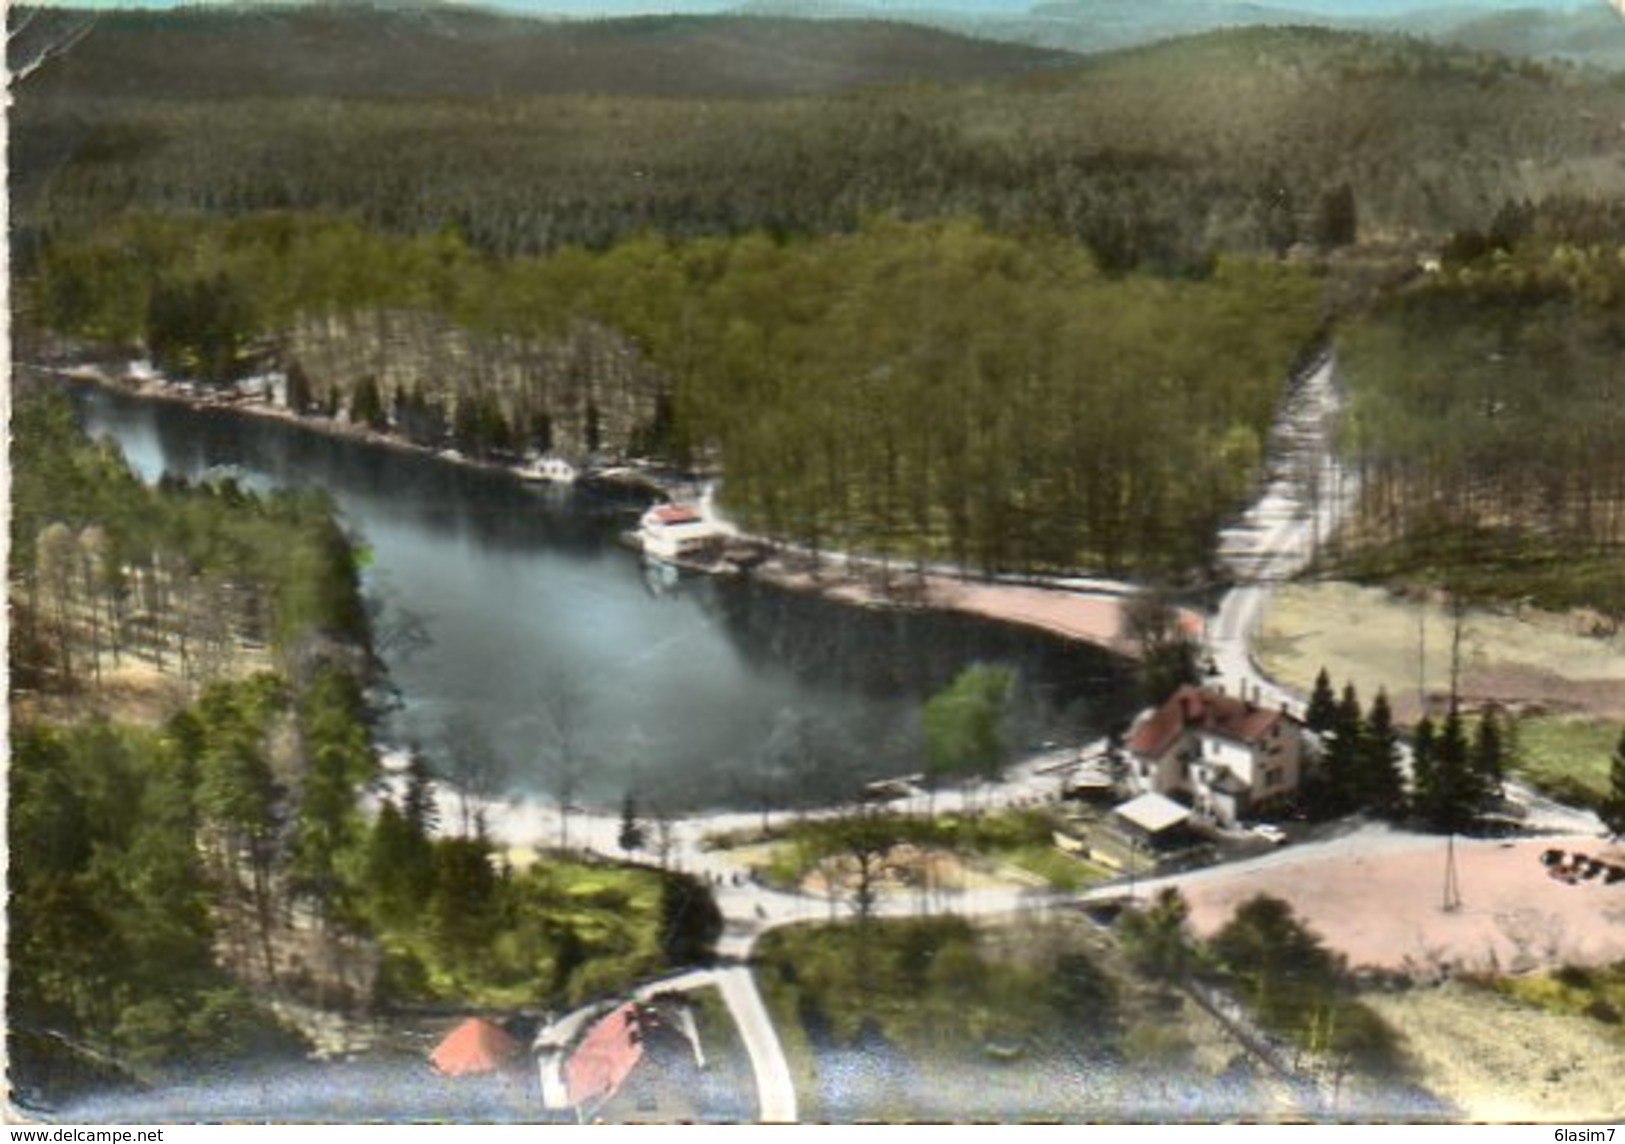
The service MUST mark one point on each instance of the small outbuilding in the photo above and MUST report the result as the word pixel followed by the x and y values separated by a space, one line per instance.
pixel 1151 815
pixel 476 1048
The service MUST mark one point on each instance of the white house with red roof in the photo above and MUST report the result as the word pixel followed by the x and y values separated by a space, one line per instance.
pixel 1227 755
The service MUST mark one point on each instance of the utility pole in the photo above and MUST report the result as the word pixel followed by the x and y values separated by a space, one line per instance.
pixel 1422 658
pixel 1452 883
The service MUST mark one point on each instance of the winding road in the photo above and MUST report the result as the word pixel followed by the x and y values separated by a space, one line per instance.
pixel 1276 539
pixel 1279 536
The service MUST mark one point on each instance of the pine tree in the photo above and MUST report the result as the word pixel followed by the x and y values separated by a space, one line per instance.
pixel 632 835
pixel 1337 219
pixel 367 404
pixel 418 806
pixel 1381 781
pixel 1489 755
pixel 393 896
pixel 1456 792
pixel 1613 807
pixel 1339 788
pixel 1424 772
pixel 298 391
pixel 1321 715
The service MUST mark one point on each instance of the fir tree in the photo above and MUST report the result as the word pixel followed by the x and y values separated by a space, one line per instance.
pixel 1456 791
pixel 418 807
pixel 1489 755
pixel 1613 807
pixel 1423 770
pixel 1349 725
pixel 1321 715
pixel 632 835
pixel 1382 780
pixel 1338 789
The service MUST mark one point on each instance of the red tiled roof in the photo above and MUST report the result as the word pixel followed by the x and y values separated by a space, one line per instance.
pixel 1193 706
pixel 606 1056
pixel 676 514
pixel 475 1046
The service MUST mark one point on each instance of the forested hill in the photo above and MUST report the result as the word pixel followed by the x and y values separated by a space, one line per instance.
pixel 1239 140
pixel 1585 32
pixel 356 50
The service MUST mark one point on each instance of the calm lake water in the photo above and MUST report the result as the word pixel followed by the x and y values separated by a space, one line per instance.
pixel 703 693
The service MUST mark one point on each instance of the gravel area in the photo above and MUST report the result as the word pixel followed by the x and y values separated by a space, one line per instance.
pixel 1377 897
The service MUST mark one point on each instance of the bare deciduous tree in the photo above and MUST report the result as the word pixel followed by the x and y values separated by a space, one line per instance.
pixel 563 710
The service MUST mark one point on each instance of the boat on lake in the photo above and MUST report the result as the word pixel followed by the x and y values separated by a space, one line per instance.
pixel 554 470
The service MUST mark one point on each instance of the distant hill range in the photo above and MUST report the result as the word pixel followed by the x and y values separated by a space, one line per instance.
pixel 1587 31
pixel 766 48
pixel 1240 139
pixel 327 50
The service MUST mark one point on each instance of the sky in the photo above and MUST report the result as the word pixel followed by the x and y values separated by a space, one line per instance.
pixel 1345 8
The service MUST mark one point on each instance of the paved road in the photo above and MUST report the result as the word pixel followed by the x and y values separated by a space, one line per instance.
pixel 775 1093
pixel 1275 540
pixel 1278 537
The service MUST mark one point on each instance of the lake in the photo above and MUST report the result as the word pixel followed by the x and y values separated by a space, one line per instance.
pixel 543 627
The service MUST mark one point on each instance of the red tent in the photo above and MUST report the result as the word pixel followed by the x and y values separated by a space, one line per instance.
pixel 606 1056
pixel 476 1046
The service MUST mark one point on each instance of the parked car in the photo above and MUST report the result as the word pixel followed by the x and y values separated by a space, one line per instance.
pixel 1270 833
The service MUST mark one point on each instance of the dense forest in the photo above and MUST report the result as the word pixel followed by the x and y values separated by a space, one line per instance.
pixel 1252 140
pixel 106 570
pixel 1056 271
pixel 187 879
pixel 1488 414
pixel 145 843
pixel 802 366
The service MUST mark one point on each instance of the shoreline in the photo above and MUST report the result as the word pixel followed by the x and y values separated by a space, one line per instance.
pixel 1082 609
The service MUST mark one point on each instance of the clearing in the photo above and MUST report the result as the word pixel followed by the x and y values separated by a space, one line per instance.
pixel 1498 1060
pixel 1525 659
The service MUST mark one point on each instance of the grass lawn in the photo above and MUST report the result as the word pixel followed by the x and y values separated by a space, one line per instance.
pixel 1375 638
pixel 1584 992
pixel 559 932
pixel 887 1019
pixel 1060 870
pixel 1023 839
pixel 1043 1017
pixel 1567 757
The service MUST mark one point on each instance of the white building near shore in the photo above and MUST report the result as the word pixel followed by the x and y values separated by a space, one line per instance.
pixel 1228 756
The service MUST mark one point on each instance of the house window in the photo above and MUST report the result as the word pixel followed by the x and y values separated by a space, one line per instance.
pixel 1273 776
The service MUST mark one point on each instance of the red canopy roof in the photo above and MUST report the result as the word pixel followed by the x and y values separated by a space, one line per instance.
pixel 606 1056
pixel 476 1046
pixel 677 514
